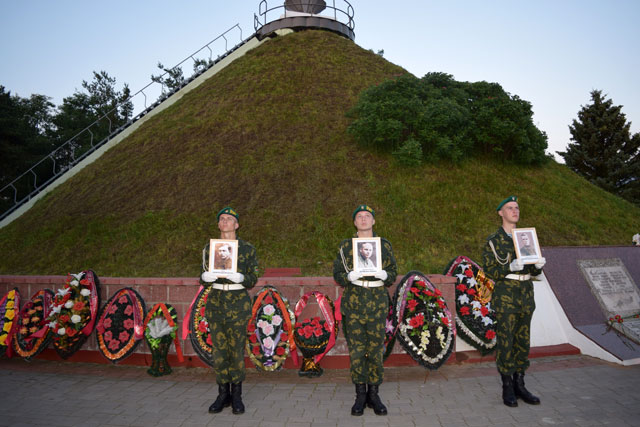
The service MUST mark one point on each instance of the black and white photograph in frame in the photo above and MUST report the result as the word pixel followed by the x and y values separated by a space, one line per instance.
pixel 223 257
pixel 526 244
pixel 367 255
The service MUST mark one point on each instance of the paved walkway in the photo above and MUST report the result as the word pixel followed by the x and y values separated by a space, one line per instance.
pixel 575 390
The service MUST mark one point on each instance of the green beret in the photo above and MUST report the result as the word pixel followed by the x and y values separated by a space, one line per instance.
pixel 363 208
pixel 228 211
pixel 507 200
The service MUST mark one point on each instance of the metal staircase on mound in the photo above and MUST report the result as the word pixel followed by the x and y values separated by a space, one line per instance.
pixel 294 15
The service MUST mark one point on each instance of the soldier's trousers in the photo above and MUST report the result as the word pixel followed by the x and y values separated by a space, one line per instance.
pixel 512 347
pixel 228 313
pixel 364 314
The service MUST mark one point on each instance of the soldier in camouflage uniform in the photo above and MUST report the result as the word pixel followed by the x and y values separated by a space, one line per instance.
pixel 513 302
pixel 228 312
pixel 364 306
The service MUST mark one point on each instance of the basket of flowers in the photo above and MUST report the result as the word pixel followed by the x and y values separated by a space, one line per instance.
pixel 315 336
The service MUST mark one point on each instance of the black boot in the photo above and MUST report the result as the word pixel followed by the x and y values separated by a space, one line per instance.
pixel 373 401
pixel 521 391
pixel 222 401
pixel 508 395
pixel 361 399
pixel 237 407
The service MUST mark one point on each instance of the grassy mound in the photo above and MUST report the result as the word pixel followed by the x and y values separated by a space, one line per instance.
pixel 267 135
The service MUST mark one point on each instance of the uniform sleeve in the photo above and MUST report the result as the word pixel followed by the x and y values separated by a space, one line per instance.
pixel 205 262
pixel 250 270
pixel 389 263
pixel 339 272
pixel 490 264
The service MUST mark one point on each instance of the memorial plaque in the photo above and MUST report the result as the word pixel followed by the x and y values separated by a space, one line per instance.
pixel 612 285
pixel 615 290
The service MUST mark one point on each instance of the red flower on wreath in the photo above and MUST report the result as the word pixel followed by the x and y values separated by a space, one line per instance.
pixel 445 321
pixel 417 321
pixel 253 338
pixel 471 291
pixel 208 340
pixel 64 318
pixel 468 272
pixel 317 332
pixel 484 310
pixel 438 292
pixel 84 282
pixel 78 306
pixel 124 336
pixel 71 332
pixel 128 324
pixel 268 299
pixel 202 326
pixel 256 350
pixel 461 287
pixel 129 310
pixel 112 309
pixel 108 336
pixel 114 344
pixel 123 299
pixel 327 327
pixel 412 304
pixel 464 310
pixel 308 330
pixel 300 331
pixel 490 335
pixel 106 322
pixel 280 351
pixel 440 303
pixel 202 311
pixel 416 291
pixel 251 328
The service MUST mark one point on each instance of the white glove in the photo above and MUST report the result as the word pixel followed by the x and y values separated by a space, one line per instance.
pixel 209 277
pixel 541 262
pixel 353 276
pixel 516 265
pixel 382 275
pixel 236 277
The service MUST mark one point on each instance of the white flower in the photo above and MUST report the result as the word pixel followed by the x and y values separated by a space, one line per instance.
pixel 75 318
pixel 269 309
pixel 159 327
pixel 267 329
pixel 78 276
pixel 52 324
pixel 460 277
pixel 56 309
pixel 68 304
pixel 268 342
pixel 62 292
pixel 85 292
pixel 276 320
pixel 74 283
pixel 477 313
pixel 463 299
pixel 424 339
pixel 476 305
pixel 262 323
pixel 62 331
pixel 472 282
pixel 487 321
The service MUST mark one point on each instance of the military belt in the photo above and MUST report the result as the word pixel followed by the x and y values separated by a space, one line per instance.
pixel 521 277
pixel 368 284
pixel 227 286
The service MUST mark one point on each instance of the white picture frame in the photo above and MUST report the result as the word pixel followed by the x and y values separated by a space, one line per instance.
pixel 223 257
pixel 525 241
pixel 367 255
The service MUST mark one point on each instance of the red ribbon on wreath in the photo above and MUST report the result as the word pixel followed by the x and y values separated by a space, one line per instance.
pixel 165 311
pixel 187 316
pixel 94 303
pixel 287 320
pixel 330 317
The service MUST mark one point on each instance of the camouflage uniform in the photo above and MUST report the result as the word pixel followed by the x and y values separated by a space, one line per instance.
pixel 364 314
pixel 513 302
pixel 228 313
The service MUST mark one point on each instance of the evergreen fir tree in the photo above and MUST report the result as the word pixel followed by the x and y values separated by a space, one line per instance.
pixel 603 149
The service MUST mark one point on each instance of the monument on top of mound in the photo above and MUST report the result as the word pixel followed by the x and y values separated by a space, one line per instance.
pixel 299 15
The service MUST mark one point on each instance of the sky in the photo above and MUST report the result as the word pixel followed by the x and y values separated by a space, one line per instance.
pixel 552 53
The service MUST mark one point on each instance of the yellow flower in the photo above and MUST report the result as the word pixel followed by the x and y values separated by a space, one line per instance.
pixel 10 314
pixel 7 326
pixel 3 338
pixel 10 304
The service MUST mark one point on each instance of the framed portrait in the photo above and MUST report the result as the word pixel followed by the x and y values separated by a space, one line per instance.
pixel 367 255
pixel 223 257
pixel 526 244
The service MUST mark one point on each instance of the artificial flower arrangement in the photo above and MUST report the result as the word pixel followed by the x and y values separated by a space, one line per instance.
pixel 74 312
pixel 120 326
pixel 617 323
pixel 269 332
pixel 9 307
pixel 161 326
pixel 314 336
pixel 423 321
pixel 33 334
pixel 196 327
pixel 476 319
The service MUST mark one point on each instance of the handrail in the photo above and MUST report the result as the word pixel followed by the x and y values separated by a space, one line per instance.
pixel 345 15
pixel 73 144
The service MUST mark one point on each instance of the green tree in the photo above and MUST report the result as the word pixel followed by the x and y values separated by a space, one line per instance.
pixel 86 118
pixel 448 119
pixel 603 149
